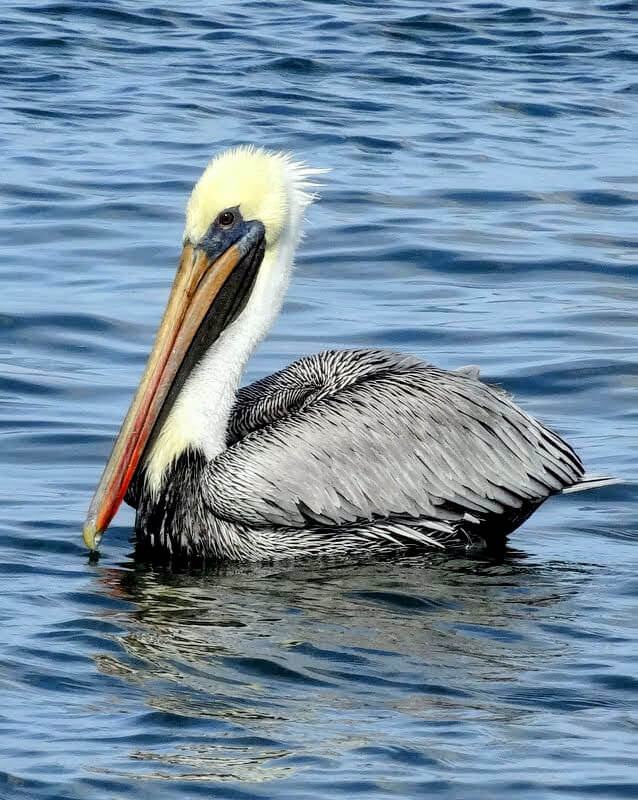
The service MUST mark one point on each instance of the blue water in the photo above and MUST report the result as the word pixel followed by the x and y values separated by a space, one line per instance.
pixel 482 208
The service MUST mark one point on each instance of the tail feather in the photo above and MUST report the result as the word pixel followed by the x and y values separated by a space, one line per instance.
pixel 589 481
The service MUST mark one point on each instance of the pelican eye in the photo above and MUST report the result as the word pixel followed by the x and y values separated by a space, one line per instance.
pixel 226 219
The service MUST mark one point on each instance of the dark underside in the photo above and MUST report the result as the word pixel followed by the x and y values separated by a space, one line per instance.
pixel 177 527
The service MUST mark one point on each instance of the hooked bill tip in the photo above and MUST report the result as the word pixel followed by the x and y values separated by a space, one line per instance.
pixel 91 536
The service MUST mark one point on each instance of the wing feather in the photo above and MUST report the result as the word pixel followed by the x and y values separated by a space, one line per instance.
pixel 356 436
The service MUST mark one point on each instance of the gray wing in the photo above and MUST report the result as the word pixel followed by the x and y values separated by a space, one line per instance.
pixel 276 396
pixel 372 435
pixel 270 399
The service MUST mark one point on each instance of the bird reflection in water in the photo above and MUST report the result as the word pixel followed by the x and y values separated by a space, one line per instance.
pixel 256 672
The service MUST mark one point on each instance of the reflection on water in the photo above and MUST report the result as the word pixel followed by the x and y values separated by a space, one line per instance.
pixel 440 642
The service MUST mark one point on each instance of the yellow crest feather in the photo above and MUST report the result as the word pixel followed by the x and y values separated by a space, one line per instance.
pixel 261 183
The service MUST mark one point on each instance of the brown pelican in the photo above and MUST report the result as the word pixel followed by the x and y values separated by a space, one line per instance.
pixel 341 452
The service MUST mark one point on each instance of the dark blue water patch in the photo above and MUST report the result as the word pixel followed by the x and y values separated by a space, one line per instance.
pixel 30 569
pixel 401 755
pixel 602 198
pixel 24 388
pixel 54 547
pixel 22 788
pixel 424 29
pixel 620 789
pixel 629 588
pixel 298 66
pixel 549 51
pixel 516 14
pixel 582 373
pixel 555 699
pixel 82 623
pixel 571 632
pixel 489 632
pixel 37 192
pixel 623 55
pixel 527 109
pixel 99 12
pixel 370 682
pixel 92 600
pixel 66 321
pixel 510 269
pixel 375 145
pixel 328 655
pixel 270 670
pixel 38 81
pixel 31 653
pixel 493 197
pixel 48 682
pixel 399 601
pixel 616 683
pixel 165 719
pixel 37 43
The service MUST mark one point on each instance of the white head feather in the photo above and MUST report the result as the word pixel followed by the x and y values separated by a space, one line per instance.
pixel 270 187
pixel 276 190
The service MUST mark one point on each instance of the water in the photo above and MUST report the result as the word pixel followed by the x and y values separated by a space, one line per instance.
pixel 482 208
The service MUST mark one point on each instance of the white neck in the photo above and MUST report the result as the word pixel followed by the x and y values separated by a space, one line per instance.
pixel 199 418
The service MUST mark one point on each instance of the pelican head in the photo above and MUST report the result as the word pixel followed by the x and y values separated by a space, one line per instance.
pixel 243 223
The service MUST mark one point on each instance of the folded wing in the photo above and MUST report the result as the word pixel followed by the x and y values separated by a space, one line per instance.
pixel 359 436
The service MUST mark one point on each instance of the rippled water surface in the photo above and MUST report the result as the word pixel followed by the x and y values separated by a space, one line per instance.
pixel 482 208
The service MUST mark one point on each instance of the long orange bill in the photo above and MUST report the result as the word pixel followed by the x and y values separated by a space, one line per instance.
pixel 210 289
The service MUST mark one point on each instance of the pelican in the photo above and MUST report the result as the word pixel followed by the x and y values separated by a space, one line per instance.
pixel 342 452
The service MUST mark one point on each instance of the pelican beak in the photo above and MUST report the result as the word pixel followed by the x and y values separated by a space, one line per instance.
pixel 211 288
